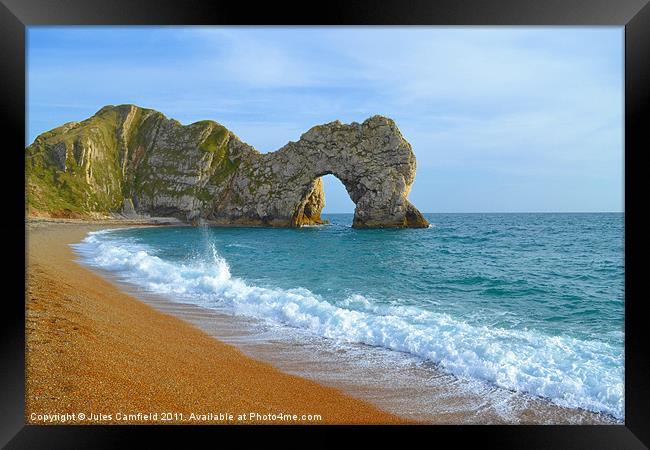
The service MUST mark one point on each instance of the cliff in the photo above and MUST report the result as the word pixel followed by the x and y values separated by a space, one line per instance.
pixel 130 159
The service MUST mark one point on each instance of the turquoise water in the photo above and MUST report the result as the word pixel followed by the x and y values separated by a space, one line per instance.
pixel 527 302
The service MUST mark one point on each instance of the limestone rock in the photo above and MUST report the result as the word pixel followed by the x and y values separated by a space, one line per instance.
pixel 136 160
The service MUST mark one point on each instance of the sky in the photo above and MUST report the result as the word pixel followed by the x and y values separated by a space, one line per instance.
pixel 501 119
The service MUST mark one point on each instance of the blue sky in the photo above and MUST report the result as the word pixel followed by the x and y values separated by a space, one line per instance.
pixel 500 118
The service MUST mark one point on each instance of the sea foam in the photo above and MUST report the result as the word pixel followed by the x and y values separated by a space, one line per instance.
pixel 568 371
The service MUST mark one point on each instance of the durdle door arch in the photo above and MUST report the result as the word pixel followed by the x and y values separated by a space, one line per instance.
pixel 137 161
pixel 372 160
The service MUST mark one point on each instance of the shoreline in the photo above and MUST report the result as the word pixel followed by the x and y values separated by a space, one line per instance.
pixel 94 349
pixel 406 392
pixel 407 387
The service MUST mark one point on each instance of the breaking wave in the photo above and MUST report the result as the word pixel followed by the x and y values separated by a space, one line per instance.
pixel 568 371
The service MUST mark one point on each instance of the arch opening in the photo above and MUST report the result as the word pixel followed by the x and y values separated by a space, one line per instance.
pixel 313 202
pixel 337 197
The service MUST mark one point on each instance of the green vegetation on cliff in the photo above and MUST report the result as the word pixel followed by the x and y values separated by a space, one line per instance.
pixel 123 152
pixel 60 167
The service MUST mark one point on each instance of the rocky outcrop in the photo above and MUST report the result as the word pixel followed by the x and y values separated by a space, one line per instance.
pixel 136 160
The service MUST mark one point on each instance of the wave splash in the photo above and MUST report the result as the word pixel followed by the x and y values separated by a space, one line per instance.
pixel 568 371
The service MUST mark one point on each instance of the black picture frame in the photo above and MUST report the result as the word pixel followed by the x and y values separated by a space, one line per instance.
pixel 16 15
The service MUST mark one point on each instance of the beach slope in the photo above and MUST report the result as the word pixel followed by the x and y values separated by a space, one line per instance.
pixel 95 350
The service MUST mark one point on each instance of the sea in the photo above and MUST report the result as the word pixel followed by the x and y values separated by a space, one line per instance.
pixel 530 305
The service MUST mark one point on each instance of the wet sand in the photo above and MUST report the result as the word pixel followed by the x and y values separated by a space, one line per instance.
pixel 93 349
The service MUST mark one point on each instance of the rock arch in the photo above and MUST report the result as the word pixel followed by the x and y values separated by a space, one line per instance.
pixel 135 160
pixel 372 159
